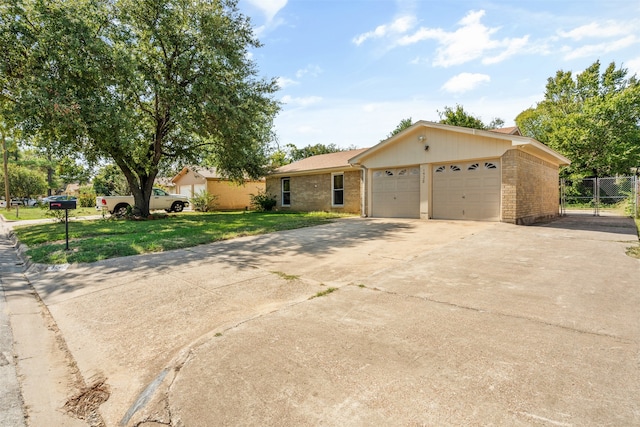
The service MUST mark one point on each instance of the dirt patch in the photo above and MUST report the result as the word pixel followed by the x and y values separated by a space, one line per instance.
pixel 85 404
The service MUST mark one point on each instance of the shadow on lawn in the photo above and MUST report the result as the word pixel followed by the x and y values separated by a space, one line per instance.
pixel 317 241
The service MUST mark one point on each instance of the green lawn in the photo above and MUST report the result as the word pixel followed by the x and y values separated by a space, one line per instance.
pixel 94 240
pixel 26 213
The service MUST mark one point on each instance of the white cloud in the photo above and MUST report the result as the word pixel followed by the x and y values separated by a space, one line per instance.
pixel 600 48
pixel 311 70
pixel 419 60
pixel 472 40
pixel 465 82
pixel 269 8
pixel 633 66
pixel 511 47
pixel 399 26
pixel 301 102
pixel 284 82
pixel 596 30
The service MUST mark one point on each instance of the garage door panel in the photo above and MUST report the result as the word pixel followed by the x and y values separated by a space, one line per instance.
pixel 396 193
pixel 468 190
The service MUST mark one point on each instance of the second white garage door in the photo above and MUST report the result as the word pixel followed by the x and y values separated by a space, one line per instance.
pixel 467 190
pixel 396 193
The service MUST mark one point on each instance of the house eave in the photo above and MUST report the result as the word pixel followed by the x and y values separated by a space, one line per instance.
pixel 314 171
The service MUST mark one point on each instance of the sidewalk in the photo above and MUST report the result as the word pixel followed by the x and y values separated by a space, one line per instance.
pixel 11 271
pixel 35 364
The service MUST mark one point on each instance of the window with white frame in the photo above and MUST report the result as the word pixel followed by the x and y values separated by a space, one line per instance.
pixel 286 191
pixel 337 189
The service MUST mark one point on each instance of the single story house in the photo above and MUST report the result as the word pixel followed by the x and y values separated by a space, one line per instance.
pixel 231 195
pixel 430 171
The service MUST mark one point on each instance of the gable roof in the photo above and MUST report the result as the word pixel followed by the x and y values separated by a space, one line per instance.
pixel 514 130
pixel 206 173
pixel 527 144
pixel 321 162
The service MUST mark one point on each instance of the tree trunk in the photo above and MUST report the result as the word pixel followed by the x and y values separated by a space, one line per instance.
pixel 142 193
pixel 5 160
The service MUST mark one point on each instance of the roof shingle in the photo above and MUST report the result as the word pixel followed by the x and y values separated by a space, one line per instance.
pixel 321 161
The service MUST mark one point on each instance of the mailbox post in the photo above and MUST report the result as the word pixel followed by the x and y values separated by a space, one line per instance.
pixel 66 205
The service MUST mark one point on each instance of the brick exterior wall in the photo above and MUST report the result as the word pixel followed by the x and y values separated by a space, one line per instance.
pixel 313 192
pixel 530 191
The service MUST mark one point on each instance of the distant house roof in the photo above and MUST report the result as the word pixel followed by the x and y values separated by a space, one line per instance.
pixel 321 162
pixel 514 130
pixel 72 188
pixel 165 182
pixel 207 173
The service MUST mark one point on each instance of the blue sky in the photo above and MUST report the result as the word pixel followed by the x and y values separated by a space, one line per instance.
pixel 350 70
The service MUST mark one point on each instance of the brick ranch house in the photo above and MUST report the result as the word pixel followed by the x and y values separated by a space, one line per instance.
pixel 430 171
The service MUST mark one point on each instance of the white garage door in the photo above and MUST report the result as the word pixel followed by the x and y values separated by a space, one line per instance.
pixel 198 188
pixel 191 190
pixel 467 190
pixel 396 193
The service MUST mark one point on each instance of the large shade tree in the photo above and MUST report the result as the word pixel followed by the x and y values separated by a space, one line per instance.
pixel 593 118
pixel 143 83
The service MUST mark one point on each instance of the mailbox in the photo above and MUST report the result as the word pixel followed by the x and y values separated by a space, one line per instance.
pixel 62 204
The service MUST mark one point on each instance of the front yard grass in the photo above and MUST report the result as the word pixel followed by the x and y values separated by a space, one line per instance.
pixel 95 240
pixel 35 212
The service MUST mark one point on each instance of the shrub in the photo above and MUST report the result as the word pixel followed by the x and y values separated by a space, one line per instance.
pixel 263 201
pixel 87 198
pixel 204 201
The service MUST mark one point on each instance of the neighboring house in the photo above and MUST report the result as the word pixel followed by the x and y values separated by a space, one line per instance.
pixel 192 180
pixel 432 171
pixel 72 189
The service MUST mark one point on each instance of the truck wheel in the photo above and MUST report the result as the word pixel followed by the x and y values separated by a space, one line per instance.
pixel 120 210
pixel 177 207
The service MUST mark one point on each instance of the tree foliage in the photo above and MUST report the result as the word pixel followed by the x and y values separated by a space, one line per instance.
pixel 24 182
pixel 459 117
pixel 404 124
pixel 592 118
pixel 110 181
pixel 142 83
pixel 295 153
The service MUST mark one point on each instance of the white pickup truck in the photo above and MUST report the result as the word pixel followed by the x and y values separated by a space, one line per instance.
pixel 160 199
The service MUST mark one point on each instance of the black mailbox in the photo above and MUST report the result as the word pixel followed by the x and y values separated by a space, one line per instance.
pixel 62 204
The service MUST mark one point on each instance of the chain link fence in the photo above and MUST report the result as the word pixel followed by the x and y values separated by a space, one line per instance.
pixel 611 193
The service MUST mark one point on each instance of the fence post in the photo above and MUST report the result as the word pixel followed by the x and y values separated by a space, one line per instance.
pixel 596 196
pixel 637 198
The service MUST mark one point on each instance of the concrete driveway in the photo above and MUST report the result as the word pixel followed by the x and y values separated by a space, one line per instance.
pixel 431 323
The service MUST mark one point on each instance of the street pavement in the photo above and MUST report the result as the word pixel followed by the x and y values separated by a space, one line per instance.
pixel 358 322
